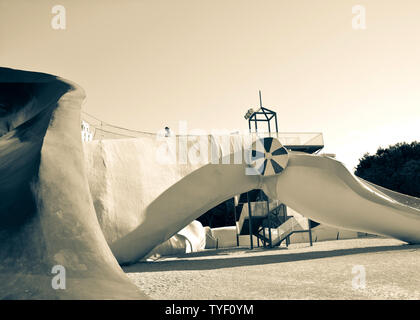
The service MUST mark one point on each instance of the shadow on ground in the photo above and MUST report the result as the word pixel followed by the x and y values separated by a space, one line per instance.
pixel 219 260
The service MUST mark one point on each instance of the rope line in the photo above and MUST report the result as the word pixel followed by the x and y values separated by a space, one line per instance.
pixel 102 123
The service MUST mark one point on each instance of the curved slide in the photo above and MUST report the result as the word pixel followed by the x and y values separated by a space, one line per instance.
pixel 180 204
pixel 322 189
pixel 318 187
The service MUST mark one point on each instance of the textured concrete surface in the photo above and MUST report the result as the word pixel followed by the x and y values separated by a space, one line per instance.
pixel 61 227
pixel 324 271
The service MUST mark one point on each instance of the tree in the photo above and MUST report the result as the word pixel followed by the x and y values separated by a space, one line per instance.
pixel 396 168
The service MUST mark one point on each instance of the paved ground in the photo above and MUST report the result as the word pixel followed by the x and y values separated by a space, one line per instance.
pixel 323 271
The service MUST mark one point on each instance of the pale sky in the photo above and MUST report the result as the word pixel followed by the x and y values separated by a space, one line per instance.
pixel 149 64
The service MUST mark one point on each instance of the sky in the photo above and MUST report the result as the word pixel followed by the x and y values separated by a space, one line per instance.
pixel 147 64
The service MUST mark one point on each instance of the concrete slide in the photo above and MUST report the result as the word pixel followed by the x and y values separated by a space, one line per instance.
pixel 181 203
pixel 322 189
pixel 191 238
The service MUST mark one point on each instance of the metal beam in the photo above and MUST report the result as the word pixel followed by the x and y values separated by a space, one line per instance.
pixel 250 221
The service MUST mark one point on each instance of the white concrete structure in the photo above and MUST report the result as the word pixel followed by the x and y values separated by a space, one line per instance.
pixel 139 211
pixel 91 206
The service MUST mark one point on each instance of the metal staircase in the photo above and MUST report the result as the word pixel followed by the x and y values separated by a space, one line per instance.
pixel 270 226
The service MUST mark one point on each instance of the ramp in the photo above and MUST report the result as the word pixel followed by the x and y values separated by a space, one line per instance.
pixel 322 189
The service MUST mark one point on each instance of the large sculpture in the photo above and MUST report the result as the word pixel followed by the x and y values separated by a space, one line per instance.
pixel 88 208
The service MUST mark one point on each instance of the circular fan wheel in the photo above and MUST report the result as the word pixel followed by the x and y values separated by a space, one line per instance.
pixel 269 156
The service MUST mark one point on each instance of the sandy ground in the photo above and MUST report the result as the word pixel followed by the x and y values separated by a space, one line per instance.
pixel 323 271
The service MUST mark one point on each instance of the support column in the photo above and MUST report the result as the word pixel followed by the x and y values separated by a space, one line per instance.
pixel 236 225
pixel 250 221
pixel 269 224
pixel 310 232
